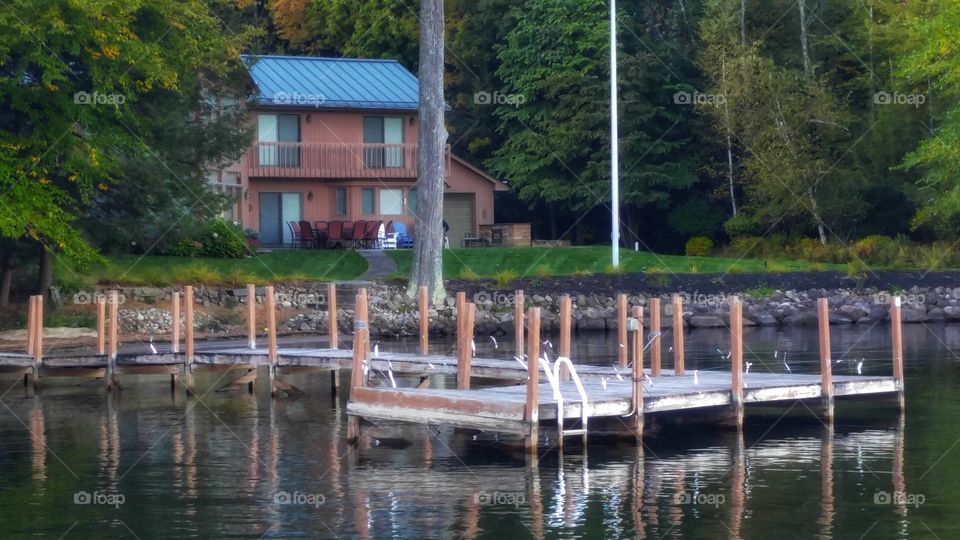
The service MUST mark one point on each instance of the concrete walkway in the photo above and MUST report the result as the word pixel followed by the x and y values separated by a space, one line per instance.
pixel 379 265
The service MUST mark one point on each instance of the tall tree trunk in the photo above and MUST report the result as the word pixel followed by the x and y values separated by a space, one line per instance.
pixel 804 46
pixel 6 280
pixel 726 114
pixel 743 22
pixel 45 273
pixel 815 210
pixel 428 248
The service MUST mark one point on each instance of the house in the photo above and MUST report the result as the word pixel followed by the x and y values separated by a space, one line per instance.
pixel 336 139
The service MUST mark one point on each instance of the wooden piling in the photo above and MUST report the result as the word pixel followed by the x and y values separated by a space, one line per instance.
pixel 566 331
pixel 111 376
pixel 31 324
pixel 622 352
pixel 270 306
pixel 363 314
pixel 678 352
pixel 896 335
pixel 518 320
pixel 736 358
pixel 38 341
pixel 637 378
pixel 361 338
pixel 188 336
pixel 332 331
pixel 251 316
pixel 423 299
pixel 465 348
pixel 101 325
pixel 531 413
pixel 655 337
pixel 826 363
pixel 459 308
pixel 175 319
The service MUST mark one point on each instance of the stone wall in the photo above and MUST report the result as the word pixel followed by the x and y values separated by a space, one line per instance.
pixel 304 309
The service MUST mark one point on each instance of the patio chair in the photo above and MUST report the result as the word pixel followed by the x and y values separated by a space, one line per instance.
pixel 370 239
pixel 403 239
pixel 296 233
pixel 321 230
pixel 387 240
pixel 352 233
pixel 306 232
pixel 335 233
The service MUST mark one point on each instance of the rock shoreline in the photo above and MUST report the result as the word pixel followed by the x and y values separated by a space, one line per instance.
pixel 303 308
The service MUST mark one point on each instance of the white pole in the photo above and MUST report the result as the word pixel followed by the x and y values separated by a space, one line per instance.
pixel 614 142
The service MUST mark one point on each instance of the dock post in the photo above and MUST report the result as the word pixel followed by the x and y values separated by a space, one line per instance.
pixel 361 339
pixel 31 323
pixel 518 319
pixel 38 341
pixel 332 332
pixel 459 309
pixel 896 335
pixel 638 374
pixel 111 376
pixel 188 335
pixel 655 337
pixel 423 298
pixel 736 358
pixel 363 314
pixel 251 316
pixel 566 330
pixel 465 348
pixel 622 344
pixel 531 412
pixel 269 304
pixel 175 320
pixel 826 363
pixel 678 353
pixel 101 325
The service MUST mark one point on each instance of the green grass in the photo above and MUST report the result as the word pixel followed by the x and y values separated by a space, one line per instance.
pixel 267 268
pixel 545 261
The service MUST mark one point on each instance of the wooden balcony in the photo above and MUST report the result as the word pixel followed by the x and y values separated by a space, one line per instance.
pixel 333 160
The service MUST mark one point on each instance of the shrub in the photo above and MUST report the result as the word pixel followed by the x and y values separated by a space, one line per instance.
pixel 698 246
pixel 742 225
pixel 504 278
pixel 222 240
pixel 876 249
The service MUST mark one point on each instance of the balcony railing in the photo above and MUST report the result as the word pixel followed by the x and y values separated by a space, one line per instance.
pixel 333 160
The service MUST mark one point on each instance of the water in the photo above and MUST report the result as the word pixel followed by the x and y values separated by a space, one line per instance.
pixel 158 465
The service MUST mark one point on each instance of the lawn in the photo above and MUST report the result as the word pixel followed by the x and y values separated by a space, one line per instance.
pixel 274 267
pixel 545 261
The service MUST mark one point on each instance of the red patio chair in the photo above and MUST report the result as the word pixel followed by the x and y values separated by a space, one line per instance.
pixel 370 236
pixel 306 232
pixel 321 230
pixel 296 233
pixel 335 233
pixel 355 233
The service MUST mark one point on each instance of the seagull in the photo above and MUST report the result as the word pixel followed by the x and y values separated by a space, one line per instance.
pixel 617 373
pixel 376 349
pixel 431 365
pixel 696 376
pixel 548 343
pixel 494 340
pixel 748 368
pixel 670 349
pixel 860 367
pixel 775 353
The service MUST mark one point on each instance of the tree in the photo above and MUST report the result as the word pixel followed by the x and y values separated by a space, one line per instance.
pixel 428 249
pixel 73 77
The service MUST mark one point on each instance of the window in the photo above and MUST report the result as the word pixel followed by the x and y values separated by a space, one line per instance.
pixel 391 202
pixel 383 142
pixel 340 200
pixel 366 201
pixel 278 135
pixel 412 202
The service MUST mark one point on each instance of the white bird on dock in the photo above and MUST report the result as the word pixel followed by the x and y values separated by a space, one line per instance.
pixel 748 368
pixel 431 365
pixel 775 353
pixel 494 340
pixel 696 376
pixel 617 373
pixel 376 350
pixel 670 349
pixel 860 367
pixel 547 343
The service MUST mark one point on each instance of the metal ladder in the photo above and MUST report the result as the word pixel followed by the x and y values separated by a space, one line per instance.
pixel 554 377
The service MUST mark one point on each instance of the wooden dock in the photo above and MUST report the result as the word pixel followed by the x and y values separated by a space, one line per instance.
pixel 533 389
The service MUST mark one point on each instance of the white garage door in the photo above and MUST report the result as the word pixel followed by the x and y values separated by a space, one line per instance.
pixel 458 211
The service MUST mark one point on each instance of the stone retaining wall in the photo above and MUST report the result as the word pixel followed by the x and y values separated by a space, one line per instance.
pixel 392 314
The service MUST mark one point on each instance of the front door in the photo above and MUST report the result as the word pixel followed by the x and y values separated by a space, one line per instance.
pixel 276 211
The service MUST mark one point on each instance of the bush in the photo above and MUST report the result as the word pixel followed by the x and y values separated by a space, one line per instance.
pixel 212 238
pixel 504 278
pixel 698 246
pixel 742 225
pixel 876 249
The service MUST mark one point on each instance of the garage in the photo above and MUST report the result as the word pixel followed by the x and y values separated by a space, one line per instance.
pixel 459 213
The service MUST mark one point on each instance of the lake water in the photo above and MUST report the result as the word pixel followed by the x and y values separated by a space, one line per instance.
pixel 75 463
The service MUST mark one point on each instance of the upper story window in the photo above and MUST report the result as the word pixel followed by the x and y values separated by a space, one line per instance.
pixel 383 142
pixel 278 135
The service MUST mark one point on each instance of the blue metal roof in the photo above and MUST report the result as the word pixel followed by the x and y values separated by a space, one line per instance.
pixel 305 81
